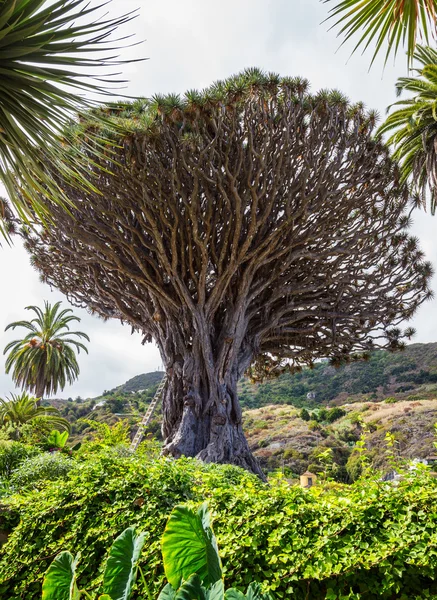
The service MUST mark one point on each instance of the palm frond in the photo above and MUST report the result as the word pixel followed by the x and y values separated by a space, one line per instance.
pixel 51 53
pixel 394 23
pixel 412 128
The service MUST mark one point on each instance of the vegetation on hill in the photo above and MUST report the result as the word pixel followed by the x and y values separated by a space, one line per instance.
pixel 392 392
pixel 399 374
pixel 282 439
pixel 139 383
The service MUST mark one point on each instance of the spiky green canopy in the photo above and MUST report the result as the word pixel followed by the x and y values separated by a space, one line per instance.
pixel 52 55
pixel 150 116
pixel 412 127
pixel 44 360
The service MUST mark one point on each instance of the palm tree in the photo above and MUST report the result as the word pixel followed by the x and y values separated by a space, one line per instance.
pixel 390 23
pixel 21 409
pixel 44 360
pixel 51 52
pixel 413 127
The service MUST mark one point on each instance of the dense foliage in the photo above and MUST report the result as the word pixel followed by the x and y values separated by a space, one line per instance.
pixel 385 374
pixel 362 541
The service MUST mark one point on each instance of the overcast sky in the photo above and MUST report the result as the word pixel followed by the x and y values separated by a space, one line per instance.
pixel 191 44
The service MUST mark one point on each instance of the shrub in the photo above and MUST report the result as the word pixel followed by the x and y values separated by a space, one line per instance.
pixel 314 426
pixel 368 540
pixel 37 470
pixel 304 414
pixel 12 454
pixel 391 400
pixel 334 414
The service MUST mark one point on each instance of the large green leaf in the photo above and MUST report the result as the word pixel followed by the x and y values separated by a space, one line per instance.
pixel 121 567
pixel 191 589
pixel 60 579
pixel 167 593
pixel 189 546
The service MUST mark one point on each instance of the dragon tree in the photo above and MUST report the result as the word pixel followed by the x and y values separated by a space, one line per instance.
pixel 249 227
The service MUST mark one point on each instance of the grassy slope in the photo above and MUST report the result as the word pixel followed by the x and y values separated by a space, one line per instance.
pixel 280 438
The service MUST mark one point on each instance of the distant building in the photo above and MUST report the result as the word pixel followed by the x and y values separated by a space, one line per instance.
pixel 311 395
pixel 99 404
pixel 307 480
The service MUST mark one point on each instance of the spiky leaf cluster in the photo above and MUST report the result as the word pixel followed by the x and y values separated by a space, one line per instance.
pixel 412 127
pixel 20 409
pixel 45 360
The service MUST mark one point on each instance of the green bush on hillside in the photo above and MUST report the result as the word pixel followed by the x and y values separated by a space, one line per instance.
pixel 12 454
pixel 36 470
pixel 363 541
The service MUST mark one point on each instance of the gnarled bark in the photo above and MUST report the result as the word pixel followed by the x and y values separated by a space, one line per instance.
pixel 201 413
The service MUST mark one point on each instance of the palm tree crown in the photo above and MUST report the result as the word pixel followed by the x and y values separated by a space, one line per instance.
pixel 390 24
pixel 413 127
pixel 51 52
pixel 21 409
pixel 44 360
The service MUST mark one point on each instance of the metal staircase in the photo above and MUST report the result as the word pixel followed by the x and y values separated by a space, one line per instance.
pixel 148 415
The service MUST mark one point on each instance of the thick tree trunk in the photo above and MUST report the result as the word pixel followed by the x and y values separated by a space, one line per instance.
pixel 39 391
pixel 202 416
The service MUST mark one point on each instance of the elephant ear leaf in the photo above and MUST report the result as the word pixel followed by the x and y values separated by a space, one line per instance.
pixel 189 546
pixel 121 566
pixel 60 579
pixel 167 593
pixel 191 589
pixel 233 594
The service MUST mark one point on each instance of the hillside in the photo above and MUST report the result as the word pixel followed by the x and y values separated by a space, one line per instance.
pixel 281 439
pixel 401 374
pixel 390 392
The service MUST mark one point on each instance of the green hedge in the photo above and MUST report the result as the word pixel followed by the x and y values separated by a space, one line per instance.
pixel 369 540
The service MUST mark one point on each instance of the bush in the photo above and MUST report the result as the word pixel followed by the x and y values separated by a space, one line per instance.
pixel 391 400
pixel 36 470
pixel 12 454
pixel 304 414
pixel 368 540
pixel 334 414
